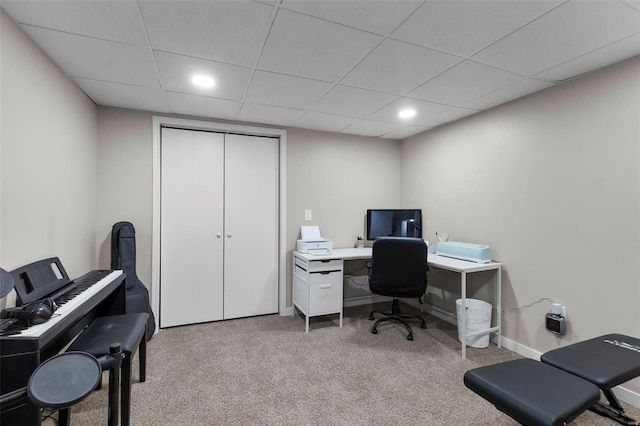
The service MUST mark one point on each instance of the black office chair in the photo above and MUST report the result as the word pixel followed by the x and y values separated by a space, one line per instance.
pixel 398 268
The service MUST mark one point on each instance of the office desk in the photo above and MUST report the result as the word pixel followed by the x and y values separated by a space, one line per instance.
pixel 464 267
pixel 318 280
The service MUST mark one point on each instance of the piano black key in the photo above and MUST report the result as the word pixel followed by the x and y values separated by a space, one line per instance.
pixel 11 326
pixel 80 285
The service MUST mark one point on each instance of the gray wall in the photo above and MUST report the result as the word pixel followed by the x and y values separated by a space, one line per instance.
pixel 552 183
pixel 338 177
pixel 48 161
pixel 125 184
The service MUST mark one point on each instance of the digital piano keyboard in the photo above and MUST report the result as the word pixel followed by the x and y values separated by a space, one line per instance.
pixel 94 294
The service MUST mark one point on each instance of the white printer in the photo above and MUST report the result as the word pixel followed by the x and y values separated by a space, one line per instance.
pixel 312 242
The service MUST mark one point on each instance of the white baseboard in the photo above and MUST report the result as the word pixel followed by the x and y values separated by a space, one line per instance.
pixel 437 312
pixel 520 349
pixel 364 300
pixel 287 312
pixel 628 396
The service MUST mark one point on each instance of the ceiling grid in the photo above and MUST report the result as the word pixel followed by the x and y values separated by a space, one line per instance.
pixel 340 66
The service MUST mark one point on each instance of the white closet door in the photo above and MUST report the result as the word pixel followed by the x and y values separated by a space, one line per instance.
pixel 191 258
pixel 251 226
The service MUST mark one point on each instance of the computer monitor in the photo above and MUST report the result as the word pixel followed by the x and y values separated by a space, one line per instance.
pixel 394 223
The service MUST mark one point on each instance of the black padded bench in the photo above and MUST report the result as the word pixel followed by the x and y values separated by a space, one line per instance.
pixel 130 332
pixel 567 381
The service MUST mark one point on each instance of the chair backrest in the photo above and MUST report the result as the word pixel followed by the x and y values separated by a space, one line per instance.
pixel 398 267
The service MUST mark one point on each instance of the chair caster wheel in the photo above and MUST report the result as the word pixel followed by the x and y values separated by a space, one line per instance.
pixel 409 337
pixel 423 326
pixel 370 317
pixel 374 331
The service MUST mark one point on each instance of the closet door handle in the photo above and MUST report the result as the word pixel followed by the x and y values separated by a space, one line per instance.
pixel 229 235
pixel 218 235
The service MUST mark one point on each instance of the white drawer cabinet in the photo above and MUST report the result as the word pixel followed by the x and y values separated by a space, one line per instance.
pixel 317 287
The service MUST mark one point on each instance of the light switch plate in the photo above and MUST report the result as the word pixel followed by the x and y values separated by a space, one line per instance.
pixel 307 215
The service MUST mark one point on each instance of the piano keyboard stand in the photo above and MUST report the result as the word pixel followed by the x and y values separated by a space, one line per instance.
pixel 24 347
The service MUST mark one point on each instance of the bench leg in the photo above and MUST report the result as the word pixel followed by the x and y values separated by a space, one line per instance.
pixel 142 355
pixel 114 383
pixel 64 417
pixel 613 410
pixel 125 392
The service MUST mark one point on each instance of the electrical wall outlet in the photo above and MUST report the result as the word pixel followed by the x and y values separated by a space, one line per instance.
pixel 307 215
pixel 556 320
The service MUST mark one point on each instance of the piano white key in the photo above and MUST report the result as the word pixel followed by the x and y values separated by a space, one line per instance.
pixel 39 329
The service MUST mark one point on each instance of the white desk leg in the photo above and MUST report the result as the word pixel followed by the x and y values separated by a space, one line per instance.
pixel 340 318
pixel 306 323
pixel 499 301
pixel 463 307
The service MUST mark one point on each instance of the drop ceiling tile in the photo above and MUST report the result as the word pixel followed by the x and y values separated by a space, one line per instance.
pixel 325 122
pixel 352 102
pixel 176 72
pixel 370 128
pixel 570 31
pixel 616 52
pixel 227 31
pixel 202 106
pixel 87 57
pixel 405 132
pixel 397 67
pixel 285 90
pixel 309 47
pixel 467 80
pixel 508 93
pixel 464 27
pixel 380 17
pixel 267 114
pixel 423 110
pixel 115 21
pixel 123 95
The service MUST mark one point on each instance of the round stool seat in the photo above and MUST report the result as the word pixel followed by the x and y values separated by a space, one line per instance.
pixel 64 380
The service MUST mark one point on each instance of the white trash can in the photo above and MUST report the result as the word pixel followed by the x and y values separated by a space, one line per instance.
pixel 478 318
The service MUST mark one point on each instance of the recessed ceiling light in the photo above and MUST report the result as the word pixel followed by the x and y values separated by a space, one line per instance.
pixel 203 81
pixel 407 113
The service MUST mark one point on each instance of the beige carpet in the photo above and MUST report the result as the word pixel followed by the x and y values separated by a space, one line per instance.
pixel 268 371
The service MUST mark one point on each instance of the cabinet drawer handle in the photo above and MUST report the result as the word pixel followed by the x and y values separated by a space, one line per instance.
pixel 325 286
